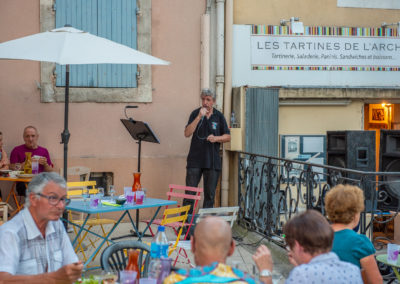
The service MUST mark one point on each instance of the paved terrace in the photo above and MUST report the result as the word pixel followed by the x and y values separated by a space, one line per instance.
pixel 246 244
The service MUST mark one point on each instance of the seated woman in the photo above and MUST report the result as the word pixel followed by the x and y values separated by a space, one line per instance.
pixel 343 205
pixel 4 162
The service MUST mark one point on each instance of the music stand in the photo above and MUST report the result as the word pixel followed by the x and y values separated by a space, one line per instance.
pixel 139 131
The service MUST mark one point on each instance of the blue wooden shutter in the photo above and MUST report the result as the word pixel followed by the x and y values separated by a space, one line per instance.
pixel 111 19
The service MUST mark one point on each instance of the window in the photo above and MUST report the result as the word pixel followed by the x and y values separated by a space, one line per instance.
pixel 116 20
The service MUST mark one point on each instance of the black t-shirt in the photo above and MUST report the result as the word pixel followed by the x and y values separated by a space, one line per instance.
pixel 204 154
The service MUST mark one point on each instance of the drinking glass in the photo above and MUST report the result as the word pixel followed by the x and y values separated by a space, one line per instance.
pixel 111 191
pixel 101 191
pixel 85 195
pixel 17 166
pixel 127 277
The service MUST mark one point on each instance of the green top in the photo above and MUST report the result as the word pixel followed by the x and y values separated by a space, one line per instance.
pixel 351 247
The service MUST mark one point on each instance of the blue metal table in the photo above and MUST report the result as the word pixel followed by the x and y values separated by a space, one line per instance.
pixel 83 207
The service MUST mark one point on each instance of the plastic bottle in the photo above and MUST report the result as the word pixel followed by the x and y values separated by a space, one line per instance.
pixel 133 263
pixel 158 250
pixel 233 120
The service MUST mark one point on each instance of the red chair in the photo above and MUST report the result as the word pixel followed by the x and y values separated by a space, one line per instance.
pixel 178 193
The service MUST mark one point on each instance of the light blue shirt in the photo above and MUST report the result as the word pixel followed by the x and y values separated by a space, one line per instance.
pixel 24 251
pixel 325 268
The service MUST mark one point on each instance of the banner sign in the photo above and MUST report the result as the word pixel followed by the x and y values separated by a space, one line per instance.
pixel 348 49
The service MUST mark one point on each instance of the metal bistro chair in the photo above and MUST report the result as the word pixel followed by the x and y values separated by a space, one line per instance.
pixel 115 257
pixel 176 215
pixel 178 193
pixel 4 209
pixel 229 214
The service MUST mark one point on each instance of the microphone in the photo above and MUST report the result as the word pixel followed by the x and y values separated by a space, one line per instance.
pixel 131 106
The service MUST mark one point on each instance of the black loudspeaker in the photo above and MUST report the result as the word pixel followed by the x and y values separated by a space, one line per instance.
pixel 356 150
pixel 389 154
pixel 352 149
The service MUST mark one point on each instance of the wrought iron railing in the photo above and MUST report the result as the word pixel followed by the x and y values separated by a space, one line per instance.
pixel 272 189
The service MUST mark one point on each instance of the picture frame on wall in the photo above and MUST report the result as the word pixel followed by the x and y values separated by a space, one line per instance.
pixel 378 114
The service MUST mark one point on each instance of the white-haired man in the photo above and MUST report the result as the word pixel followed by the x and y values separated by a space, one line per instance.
pixel 34 245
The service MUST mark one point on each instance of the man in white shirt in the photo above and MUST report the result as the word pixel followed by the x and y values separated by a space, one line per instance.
pixel 34 245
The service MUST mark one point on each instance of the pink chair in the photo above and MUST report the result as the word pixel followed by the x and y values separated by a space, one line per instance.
pixel 178 193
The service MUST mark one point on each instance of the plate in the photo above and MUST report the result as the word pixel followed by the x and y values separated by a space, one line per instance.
pixel 25 175
pixel 5 171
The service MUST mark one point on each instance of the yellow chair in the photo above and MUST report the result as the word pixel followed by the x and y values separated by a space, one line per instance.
pixel 172 215
pixel 76 190
pixel 4 209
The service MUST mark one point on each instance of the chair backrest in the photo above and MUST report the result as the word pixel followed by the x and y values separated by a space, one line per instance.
pixel 172 215
pixel 4 209
pixel 180 192
pixel 115 257
pixel 229 214
pixel 77 171
pixel 75 188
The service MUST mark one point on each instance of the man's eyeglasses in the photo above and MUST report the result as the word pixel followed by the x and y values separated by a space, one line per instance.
pixel 54 200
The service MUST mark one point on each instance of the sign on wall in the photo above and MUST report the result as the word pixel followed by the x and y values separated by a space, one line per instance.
pixel 365 49
pixel 322 57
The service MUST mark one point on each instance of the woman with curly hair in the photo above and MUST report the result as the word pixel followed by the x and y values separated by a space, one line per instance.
pixel 343 205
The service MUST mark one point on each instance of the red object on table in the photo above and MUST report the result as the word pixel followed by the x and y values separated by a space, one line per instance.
pixel 133 262
pixel 136 182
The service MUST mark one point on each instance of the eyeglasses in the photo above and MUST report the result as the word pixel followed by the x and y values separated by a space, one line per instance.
pixel 54 200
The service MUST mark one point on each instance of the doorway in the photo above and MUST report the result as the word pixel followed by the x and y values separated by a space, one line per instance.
pixel 379 116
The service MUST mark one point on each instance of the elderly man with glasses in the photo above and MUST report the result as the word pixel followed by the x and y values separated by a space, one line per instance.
pixel 34 245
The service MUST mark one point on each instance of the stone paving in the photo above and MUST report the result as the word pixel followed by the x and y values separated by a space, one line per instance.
pixel 246 244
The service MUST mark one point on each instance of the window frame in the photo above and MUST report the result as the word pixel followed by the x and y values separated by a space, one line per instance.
pixel 143 91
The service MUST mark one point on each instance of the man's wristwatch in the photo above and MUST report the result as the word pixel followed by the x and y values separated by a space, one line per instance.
pixel 265 273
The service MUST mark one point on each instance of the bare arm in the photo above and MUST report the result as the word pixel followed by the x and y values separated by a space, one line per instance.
pixel 4 163
pixel 192 127
pixel 221 139
pixel 66 274
pixel 263 259
pixel 371 270
pixel 189 129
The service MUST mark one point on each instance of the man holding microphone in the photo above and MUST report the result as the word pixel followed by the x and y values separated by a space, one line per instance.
pixel 208 129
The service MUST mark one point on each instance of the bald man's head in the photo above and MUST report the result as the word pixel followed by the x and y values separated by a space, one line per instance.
pixel 212 241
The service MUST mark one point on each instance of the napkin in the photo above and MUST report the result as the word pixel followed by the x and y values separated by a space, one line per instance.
pixel 110 203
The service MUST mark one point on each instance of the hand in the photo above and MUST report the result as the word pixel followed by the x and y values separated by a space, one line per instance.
pixel 203 111
pixel 263 259
pixel 43 161
pixel 70 272
pixel 211 138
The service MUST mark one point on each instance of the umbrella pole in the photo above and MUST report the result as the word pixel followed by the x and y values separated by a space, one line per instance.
pixel 65 135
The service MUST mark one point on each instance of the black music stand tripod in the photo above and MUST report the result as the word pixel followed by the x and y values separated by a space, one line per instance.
pixel 140 131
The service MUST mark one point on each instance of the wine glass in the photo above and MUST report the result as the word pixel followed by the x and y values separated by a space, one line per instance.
pixel 85 194
pixel 111 191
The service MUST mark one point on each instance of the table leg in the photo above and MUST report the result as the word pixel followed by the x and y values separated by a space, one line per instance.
pixel 396 272
pixel 106 238
pixel 12 192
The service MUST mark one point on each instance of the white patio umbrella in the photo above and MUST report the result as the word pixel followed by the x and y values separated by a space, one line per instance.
pixel 67 46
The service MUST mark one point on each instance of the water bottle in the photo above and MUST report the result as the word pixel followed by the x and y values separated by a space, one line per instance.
pixel 158 250
pixel 233 120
